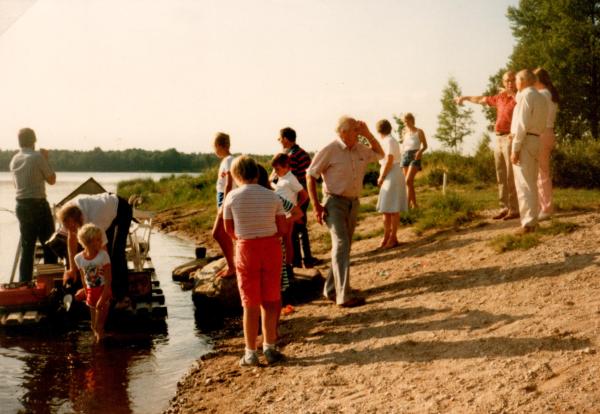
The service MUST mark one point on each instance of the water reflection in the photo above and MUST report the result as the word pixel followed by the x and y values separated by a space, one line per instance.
pixel 49 371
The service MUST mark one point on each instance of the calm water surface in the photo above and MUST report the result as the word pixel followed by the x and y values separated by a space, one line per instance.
pixel 45 372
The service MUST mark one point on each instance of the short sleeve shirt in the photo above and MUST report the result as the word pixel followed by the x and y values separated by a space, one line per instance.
pixel 288 187
pixel 390 147
pixel 224 168
pixel 342 168
pixel 253 209
pixel 504 104
pixel 30 171
pixel 93 269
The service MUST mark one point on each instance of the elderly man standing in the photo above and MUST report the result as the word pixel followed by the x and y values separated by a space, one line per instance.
pixel 342 164
pixel 528 122
pixel 504 103
pixel 31 171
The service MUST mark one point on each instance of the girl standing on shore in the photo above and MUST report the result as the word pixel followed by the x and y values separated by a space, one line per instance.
pixel 254 217
pixel 414 144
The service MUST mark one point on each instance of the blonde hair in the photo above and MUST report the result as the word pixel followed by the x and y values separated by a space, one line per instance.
pixel 88 233
pixel 222 140
pixel 244 168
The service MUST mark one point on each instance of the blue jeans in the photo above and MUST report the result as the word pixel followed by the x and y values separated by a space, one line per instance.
pixel 35 223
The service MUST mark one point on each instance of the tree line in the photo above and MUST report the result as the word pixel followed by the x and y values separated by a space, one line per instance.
pixel 133 159
pixel 563 37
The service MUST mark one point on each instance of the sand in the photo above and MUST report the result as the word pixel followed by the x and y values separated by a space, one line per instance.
pixel 450 326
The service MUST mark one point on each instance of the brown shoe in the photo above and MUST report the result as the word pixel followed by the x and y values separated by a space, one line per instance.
pixel 500 215
pixel 525 230
pixel 354 302
pixel 511 216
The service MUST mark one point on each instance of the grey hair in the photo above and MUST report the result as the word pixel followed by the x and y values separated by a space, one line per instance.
pixel 345 123
pixel 527 76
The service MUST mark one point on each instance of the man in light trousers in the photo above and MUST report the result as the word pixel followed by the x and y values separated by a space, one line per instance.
pixel 342 165
pixel 528 122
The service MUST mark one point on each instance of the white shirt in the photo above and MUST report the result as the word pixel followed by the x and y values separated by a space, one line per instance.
pixel 552 108
pixel 390 147
pixel 93 269
pixel 224 168
pixel 529 116
pixel 99 209
pixel 411 141
pixel 288 187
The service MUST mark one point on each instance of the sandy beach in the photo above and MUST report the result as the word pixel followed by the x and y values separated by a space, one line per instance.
pixel 450 325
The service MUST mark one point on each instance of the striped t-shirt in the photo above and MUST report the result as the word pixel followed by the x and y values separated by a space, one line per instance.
pixel 253 209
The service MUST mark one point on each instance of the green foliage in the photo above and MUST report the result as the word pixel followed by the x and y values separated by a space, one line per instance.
pixel 399 126
pixel 577 164
pixel 134 159
pixel 173 191
pixel 507 242
pixel 563 37
pixel 443 211
pixel 454 121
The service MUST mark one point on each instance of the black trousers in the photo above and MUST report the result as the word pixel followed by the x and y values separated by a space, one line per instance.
pixel 117 234
pixel 35 223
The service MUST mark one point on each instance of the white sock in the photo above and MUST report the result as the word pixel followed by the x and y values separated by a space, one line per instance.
pixel 268 346
pixel 249 353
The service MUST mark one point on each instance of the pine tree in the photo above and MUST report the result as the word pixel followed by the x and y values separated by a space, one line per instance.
pixel 454 121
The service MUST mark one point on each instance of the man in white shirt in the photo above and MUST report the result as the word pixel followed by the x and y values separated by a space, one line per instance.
pixel 528 122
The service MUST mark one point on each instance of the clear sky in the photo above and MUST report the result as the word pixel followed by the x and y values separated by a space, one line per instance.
pixel 158 74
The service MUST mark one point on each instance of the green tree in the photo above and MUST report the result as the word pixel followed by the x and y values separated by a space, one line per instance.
pixel 563 37
pixel 399 126
pixel 454 121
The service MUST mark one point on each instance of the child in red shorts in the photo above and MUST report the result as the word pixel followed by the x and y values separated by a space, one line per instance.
pixel 254 217
pixel 93 264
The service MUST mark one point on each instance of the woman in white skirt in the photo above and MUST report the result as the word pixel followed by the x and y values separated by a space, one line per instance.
pixel 392 193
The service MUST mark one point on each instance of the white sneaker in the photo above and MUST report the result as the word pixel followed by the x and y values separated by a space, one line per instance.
pixel 544 216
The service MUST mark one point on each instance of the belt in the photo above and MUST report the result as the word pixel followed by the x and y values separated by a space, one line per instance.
pixel 342 197
pixel 531 133
pixel 502 133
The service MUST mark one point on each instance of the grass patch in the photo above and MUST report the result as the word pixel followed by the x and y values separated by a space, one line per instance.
pixel 570 199
pixel 443 211
pixel 509 242
pixel 367 234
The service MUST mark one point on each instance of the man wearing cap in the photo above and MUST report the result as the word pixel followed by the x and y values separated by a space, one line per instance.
pixel 342 165
pixel 31 171
pixel 504 102
pixel 528 122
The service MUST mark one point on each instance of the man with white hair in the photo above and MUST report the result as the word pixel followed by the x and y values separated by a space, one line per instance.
pixel 342 164
pixel 528 122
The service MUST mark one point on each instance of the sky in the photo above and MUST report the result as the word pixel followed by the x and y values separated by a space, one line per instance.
pixel 159 74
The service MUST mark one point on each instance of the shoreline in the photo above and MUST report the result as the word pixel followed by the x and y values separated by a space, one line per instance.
pixel 449 326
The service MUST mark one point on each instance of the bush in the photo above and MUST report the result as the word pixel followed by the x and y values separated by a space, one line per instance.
pixel 577 164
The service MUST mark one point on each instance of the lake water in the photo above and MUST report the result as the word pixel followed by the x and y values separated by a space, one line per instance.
pixel 65 373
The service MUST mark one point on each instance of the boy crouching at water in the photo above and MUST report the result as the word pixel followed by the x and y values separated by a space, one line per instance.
pixel 254 217
pixel 93 264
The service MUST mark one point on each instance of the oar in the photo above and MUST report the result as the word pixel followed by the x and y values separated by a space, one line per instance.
pixel 17 254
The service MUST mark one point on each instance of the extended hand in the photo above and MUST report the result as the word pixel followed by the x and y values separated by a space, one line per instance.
pixel 69 275
pixel 459 100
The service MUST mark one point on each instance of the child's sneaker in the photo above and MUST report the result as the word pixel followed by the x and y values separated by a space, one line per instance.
pixel 273 356
pixel 251 361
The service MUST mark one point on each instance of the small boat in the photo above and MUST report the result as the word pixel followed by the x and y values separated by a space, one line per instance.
pixel 45 300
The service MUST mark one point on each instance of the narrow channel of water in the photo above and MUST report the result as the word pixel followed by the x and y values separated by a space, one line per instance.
pixel 52 372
